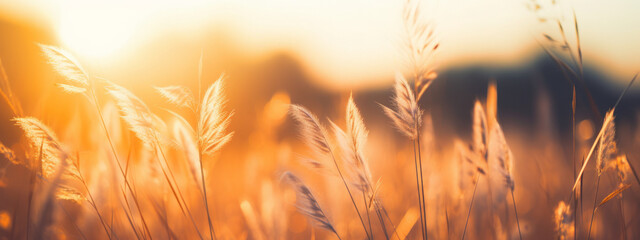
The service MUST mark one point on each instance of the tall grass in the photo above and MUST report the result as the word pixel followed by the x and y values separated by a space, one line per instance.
pixel 179 172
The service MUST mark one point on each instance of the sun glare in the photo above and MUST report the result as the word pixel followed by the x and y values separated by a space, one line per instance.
pixel 96 30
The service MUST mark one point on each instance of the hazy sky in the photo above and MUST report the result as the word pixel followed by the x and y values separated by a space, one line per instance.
pixel 346 41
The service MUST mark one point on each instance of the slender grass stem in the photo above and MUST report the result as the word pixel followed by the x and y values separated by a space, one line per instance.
pixel 424 201
pixel 593 213
pixel 624 222
pixel 355 206
pixel 515 209
pixel 573 154
pixel 473 196
pixel 92 202
pixel 366 208
pixel 422 218
pixel 212 231
pixel 175 189
pixel 96 103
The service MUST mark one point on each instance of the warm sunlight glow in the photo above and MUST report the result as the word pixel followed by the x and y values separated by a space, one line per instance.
pixel 94 30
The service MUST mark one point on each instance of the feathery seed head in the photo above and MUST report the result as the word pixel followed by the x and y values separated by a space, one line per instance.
pixel 213 120
pixel 405 114
pixel 500 155
pixel 65 64
pixel 178 95
pixel 607 147
pixel 307 203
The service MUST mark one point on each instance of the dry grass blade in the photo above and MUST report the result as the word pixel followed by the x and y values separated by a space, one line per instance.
pixel 615 193
pixel 352 143
pixel 307 203
pixel 405 114
pixel 357 171
pixel 179 95
pixel 65 64
pixel 213 121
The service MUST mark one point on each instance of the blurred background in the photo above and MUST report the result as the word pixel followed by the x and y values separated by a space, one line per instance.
pixel 315 53
pixel 326 47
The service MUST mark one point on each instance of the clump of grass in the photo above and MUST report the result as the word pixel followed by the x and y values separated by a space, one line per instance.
pixel 316 137
pixel 210 131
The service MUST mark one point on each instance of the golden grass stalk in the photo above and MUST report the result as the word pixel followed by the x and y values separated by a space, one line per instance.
pixel 184 138
pixel 213 120
pixel 38 134
pixel 500 156
pixel 212 124
pixel 54 161
pixel 618 191
pixel 480 131
pixel 315 136
pixel 607 151
pixel 476 155
pixel 136 114
pixel 420 44
pixel 607 147
pixel 145 124
pixel 211 133
pixel 407 117
pixel 501 161
pixel 78 81
pixel 307 203
pixel 607 120
pixel 352 142
pixel 405 113
pixel 7 93
pixel 65 64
